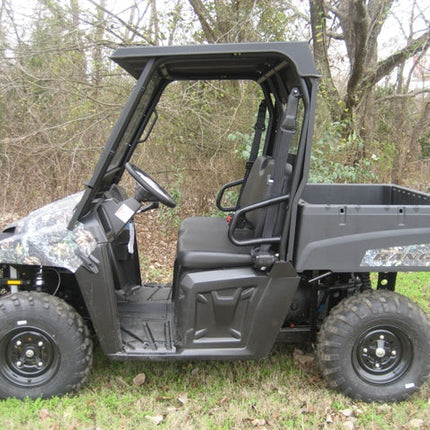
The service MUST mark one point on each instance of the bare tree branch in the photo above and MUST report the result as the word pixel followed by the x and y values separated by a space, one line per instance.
pixel 385 67
pixel 409 95
pixel 127 25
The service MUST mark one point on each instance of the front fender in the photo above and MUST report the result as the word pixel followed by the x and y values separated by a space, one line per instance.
pixel 42 238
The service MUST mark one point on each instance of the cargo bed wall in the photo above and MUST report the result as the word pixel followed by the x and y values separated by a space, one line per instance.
pixel 346 227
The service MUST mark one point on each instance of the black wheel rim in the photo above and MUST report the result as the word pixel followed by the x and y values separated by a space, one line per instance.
pixel 30 356
pixel 382 355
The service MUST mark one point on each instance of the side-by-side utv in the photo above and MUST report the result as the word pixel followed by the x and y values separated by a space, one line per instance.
pixel 290 263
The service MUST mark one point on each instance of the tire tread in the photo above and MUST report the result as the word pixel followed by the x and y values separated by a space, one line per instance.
pixel 351 312
pixel 66 314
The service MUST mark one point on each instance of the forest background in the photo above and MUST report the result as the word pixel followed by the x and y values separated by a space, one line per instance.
pixel 60 94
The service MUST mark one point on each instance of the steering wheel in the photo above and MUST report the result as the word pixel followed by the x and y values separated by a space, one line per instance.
pixel 150 185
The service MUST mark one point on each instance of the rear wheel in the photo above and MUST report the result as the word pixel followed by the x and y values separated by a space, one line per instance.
pixel 375 346
pixel 45 349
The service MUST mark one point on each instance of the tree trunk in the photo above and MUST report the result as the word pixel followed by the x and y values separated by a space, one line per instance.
pixel 358 23
pixel 320 48
pixel 98 48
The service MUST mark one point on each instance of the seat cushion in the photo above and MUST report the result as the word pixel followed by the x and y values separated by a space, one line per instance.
pixel 203 244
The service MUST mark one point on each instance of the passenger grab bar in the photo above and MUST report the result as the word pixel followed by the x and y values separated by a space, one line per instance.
pixel 221 195
pixel 255 206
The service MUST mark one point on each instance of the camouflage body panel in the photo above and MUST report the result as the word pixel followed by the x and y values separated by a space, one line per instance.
pixel 407 256
pixel 42 238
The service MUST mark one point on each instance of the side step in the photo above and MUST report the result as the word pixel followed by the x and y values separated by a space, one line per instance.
pixel 146 320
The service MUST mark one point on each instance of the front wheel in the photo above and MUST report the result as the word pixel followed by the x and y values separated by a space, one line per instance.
pixel 375 346
pixel 45 349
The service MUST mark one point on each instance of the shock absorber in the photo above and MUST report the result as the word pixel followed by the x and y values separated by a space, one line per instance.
pixel 39 280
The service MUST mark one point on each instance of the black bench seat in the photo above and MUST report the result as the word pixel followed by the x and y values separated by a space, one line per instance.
pixel 203 244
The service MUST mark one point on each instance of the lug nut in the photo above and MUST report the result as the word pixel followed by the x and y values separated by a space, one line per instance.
pixel 40 364
pixel 365 350
pixel 19 363
pixel 382 337
pixel 40 344
pixel 18 343
pixel 377 365
pixel 393 352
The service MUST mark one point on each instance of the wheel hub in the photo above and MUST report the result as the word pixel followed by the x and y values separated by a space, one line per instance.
pixel 380 352
pixel 30 356
pixel 29 353
pixel 382 355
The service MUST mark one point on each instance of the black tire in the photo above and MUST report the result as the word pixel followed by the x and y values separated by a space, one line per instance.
pixel 45 348
pixel 375 346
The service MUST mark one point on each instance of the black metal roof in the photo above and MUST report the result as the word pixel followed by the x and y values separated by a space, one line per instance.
pixel 219 61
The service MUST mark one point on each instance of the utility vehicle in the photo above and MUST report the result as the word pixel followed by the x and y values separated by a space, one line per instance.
pixel 290 263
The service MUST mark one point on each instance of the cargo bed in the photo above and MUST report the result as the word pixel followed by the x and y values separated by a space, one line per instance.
pixel 348 227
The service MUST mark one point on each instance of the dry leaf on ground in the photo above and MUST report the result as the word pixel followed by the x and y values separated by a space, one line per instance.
pixel 139 379
pixel 157 419
pixel 44 414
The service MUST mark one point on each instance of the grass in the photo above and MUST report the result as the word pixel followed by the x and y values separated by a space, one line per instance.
pixel 275 393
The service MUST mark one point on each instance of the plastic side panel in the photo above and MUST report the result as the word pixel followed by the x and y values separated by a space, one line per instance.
pixel 338 237
pixel 363 194
pixel 404 196
pixel 347 194
pixel 238 309
pixel 98 292
pixel 401 250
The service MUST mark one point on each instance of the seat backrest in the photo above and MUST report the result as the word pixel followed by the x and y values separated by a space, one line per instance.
pixel 256 186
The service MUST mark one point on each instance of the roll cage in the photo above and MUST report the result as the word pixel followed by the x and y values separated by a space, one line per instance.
pixel 285 67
